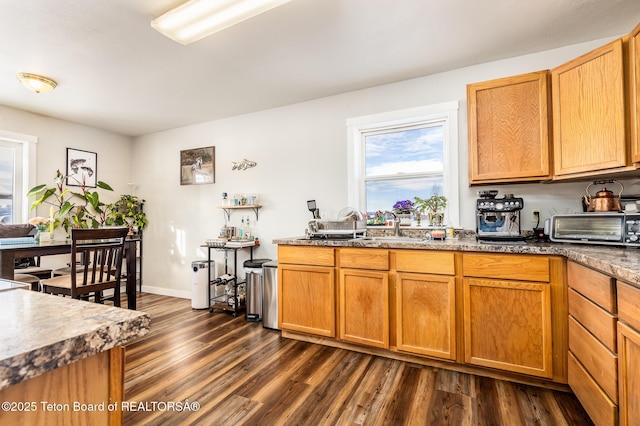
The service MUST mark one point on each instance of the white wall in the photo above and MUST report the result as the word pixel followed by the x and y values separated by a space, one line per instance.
pixel 54 137
pixel 301 154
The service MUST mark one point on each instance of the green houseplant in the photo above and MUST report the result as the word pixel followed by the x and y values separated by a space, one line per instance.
pixel 128 211
pixel 71 209
pixel 434 205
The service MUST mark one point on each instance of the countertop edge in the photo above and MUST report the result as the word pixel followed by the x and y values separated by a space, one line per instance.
pixel 623 263
pixel 37 360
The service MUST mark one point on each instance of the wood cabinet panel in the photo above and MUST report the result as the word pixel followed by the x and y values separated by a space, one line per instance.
pixel 601 363
pixel 629 304
pixel 599 322
pixel 368 258
pixel 504 266
pixel 364 307
pixel 589 117
pixel 594 285
pixel 508 121
pixel 93 380
pixel 629 370
pixel 307 299
pixel 596 403
pixel 426 314
pixel 507 325
pixel 304 255
pixel 425 261
pixel 634 92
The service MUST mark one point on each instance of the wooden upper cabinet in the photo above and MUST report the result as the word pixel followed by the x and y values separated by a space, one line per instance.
pixel 634 92
pixel 509 131
pixel 588 95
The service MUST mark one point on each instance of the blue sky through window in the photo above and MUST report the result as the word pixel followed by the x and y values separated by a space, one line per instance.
pixel 394 153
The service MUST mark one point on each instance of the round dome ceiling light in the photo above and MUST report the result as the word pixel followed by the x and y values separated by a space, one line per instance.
pixel 36 83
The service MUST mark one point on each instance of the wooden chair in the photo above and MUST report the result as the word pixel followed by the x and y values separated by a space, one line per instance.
pixel 31 266
pixel 32 280
pixel 102 250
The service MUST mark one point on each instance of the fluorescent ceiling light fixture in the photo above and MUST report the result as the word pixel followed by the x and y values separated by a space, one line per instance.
pixel 37 83
pixel 197 19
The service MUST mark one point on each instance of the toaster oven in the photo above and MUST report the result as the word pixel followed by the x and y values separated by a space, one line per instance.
pixel 619 229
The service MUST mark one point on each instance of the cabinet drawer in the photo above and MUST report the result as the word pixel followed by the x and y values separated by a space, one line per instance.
pixel 364 259
pixel 629 304
pixel 599 322
pixel 303 255
pixel 601 363
pixel 596 403
pixel 506 266
pixel 424 261
pixel 595 286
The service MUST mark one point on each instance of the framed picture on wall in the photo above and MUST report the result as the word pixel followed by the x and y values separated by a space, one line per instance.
pixel 197 166
pixel 81 168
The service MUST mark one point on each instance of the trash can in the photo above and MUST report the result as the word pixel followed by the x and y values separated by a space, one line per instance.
pixel 200 284
pixel 253 274
pixel 270 295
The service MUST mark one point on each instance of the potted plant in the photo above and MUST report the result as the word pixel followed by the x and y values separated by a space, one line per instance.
pixel 435 206
pixel 404 211
pixel 128 211
pixel 71 209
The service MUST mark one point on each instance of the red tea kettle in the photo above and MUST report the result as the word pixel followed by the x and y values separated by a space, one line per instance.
pixel 604 200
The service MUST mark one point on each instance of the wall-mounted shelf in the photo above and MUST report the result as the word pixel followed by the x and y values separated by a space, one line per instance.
pixel 227 209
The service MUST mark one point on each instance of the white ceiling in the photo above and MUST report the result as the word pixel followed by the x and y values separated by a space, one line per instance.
pixel 116 73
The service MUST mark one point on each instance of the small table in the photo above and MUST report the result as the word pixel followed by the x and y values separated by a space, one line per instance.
pixel 10 252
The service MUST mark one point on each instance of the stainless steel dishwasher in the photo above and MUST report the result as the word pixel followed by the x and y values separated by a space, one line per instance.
pixel 270 295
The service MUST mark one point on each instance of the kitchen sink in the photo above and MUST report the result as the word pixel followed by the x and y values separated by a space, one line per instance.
pixel 395 239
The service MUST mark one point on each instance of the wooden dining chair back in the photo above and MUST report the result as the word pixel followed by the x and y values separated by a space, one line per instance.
pixel 102 250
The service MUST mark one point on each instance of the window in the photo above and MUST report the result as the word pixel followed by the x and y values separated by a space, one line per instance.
pixel 403 154
pixel 16 177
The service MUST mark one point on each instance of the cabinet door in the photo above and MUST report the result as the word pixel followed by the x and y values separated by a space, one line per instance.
pixel 507 325
pixel 364 307
pixel 634 92
pixel 589 112
pixel 629 371
pixel 425 314
pixel 307 299
pixel 508 123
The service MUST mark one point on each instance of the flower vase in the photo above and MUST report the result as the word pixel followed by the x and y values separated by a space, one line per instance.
pixel 405 219
pixel 436 219
pixel 42 235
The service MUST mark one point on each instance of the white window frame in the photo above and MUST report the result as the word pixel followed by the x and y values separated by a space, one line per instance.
pixel 28 176
pixel 447 111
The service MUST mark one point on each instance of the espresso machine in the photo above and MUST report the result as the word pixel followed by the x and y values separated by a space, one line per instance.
pixel 498 218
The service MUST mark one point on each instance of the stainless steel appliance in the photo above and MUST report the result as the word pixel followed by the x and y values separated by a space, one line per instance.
pixel 255 285
pixel 270 295
pixel 498 218
pixel 620 229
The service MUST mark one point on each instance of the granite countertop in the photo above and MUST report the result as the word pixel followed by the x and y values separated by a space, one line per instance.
pixel 41 332
pixel 623 263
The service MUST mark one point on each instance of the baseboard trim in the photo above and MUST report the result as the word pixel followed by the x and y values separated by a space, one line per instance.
pixel 167 292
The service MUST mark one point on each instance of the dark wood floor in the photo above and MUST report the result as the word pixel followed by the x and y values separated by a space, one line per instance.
pixel 240 373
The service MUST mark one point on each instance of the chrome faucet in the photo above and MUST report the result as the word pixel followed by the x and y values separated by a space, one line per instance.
pixel 396 222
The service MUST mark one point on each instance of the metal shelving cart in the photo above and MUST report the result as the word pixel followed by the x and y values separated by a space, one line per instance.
pixel 222 301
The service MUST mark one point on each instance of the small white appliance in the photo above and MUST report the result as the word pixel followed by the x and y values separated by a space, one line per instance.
pixel 200 283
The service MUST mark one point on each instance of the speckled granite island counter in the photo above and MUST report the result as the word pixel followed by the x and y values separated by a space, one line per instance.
pixel 62 360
